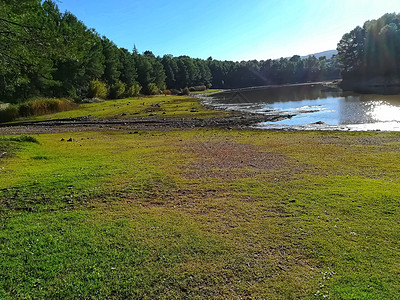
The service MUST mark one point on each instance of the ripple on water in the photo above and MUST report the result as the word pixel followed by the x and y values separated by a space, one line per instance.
pixel 312 108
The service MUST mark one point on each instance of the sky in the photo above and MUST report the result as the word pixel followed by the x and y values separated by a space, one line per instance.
pixel 227 29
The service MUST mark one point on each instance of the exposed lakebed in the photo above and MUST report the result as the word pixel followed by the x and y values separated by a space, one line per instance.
pixel 314 106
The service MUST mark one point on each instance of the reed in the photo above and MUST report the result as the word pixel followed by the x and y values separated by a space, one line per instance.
pixel 35 107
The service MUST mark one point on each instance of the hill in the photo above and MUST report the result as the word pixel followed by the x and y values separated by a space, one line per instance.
pixel 328 54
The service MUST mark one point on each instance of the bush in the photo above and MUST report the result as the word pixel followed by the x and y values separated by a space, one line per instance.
pixel 186 91
pixel 175 92
pixel 152 89
pixel 134 90
pixel 167 92
pixel 9 113
pixel 97 89
pixel 200 88
pixel 25 109
pixel 117 90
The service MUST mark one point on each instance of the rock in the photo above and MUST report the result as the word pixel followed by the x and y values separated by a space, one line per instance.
pixel 62 140
pixel 69 140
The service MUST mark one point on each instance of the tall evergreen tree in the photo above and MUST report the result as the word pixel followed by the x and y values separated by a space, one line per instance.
pixel 112 62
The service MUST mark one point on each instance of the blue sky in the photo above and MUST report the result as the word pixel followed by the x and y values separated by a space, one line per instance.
pixel 227 30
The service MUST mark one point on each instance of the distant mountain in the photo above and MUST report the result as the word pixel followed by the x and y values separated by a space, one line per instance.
pixel 328 54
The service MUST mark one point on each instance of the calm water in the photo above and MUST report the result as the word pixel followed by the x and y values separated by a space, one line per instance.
pixel 316 107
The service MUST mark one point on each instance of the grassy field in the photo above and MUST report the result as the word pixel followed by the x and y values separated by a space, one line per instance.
pixel 199 214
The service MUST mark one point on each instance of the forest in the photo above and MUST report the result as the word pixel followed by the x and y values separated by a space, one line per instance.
pixel 372 51
pixel 48 53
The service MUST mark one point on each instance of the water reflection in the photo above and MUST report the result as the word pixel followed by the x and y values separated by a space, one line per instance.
pixel 310 104
pixel 384 112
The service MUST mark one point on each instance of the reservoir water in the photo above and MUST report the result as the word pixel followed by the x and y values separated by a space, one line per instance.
pixel 315 106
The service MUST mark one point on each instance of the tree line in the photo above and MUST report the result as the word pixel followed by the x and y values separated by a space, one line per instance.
pixel 44 52
pixel 371 51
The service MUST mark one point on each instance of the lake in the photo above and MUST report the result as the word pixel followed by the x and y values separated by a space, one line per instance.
pixel 315 106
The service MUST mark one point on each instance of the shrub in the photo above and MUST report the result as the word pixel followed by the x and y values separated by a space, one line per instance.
pixel 152 89
pixel 200 88
pixel 134 90
pixel 97 89
pixel 175 92
pixel 25 109
pixel 167 92
pixel 186 91
pixel 9 113
pixel 117 90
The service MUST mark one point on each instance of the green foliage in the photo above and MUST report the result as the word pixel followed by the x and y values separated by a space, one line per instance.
pixel 128 68
pixel 47 53
pixel 117 90
pixel 371 51
pixel 134 90
pixel 26 64
pixel 112 62
pixel 81 60
pixel 97 89
pixel 151 89
pixel 9 113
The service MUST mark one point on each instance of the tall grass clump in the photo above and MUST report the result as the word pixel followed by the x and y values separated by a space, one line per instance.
pixel 8 113
pixel 24 138
pixel 44 106
pixel 198 88
pixel 35 107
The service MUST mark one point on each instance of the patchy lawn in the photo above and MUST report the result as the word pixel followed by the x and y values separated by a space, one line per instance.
pixel 200 214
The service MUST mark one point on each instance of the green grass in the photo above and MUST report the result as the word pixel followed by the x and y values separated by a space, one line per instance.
pixel 155 106
pixel 200 214
pixel 208 92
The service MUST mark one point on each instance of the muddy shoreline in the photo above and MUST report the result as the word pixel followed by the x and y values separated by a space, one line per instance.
pixel 235 120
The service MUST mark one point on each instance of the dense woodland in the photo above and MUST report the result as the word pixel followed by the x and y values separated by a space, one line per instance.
pixel 372 51
pixel 44 52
